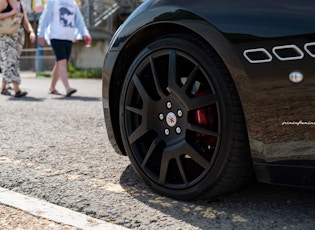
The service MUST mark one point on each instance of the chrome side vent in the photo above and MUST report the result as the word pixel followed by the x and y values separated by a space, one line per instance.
pixel 288 52
pixel 259 55
pixel 310 48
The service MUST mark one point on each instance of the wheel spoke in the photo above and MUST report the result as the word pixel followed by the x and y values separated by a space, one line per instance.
pixel 172 69
pixel 156 78
pixel 142 92
pixel 164 167
pixel 150 151
pixel 174 153
pixel 199 129
pixel 181 170
pixel 202 101
pixel 134 110
pixel 195 155
pixel 190 78
pixel 136 134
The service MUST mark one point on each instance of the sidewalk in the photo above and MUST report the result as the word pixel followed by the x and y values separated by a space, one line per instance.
pixel 12 218
pixel 28 74
pixel 18 211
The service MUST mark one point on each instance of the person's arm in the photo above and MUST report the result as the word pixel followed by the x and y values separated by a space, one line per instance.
pixel 80 24
pixel 27 26
pixel 7 14
pixel 44 21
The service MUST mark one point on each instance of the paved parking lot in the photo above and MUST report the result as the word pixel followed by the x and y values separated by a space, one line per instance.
pixel 56 149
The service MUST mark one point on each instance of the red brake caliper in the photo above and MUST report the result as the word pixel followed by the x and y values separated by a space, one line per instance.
pixel 206 117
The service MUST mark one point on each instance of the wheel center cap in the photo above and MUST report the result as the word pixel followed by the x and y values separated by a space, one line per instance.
pixel 171 119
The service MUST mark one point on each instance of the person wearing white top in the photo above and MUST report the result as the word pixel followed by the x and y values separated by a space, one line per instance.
pixel 61 22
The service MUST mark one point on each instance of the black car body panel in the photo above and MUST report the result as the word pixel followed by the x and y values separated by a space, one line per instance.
pixel 261 44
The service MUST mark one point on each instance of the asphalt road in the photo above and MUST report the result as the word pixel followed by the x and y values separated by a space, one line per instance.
pixel 56 149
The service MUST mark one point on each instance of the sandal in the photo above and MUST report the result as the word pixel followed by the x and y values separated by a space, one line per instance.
pixel 5 92
pixel 20 93
pixel 70 92
pixel 55 92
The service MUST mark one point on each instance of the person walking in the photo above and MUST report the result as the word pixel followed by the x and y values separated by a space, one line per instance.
pixel 61 21
pixel 11 46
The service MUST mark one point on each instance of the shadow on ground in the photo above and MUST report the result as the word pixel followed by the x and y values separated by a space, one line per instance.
pixel 79 98
pixel 254 206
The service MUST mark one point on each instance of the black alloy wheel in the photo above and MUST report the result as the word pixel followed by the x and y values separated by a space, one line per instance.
pixel 177 120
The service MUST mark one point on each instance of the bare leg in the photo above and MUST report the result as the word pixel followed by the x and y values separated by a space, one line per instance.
pixel 4 85
pixel 54 78
pixel 16 87
pixel 63 73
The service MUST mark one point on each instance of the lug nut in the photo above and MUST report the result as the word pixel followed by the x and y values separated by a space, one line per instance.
pixel 180 113
pixel 167 132
pixel 161 116
pixel 178 130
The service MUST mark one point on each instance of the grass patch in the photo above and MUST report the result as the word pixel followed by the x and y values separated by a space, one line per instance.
pixel 43 74
pixel 90 73
pixel 76 73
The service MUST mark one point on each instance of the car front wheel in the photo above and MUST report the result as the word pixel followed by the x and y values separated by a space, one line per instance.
pixel 181 120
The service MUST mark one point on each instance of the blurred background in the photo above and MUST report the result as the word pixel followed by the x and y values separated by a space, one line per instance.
pixel 102 17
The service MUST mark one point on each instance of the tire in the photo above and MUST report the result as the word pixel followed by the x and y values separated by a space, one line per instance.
pixel 181 120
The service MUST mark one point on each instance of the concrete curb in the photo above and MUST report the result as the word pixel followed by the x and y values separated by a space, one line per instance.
pixel 53 212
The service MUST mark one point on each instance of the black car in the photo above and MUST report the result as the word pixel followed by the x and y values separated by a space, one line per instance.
pixel 204 94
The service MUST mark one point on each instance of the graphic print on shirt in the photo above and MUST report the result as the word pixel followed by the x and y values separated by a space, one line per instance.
pixel 66 17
